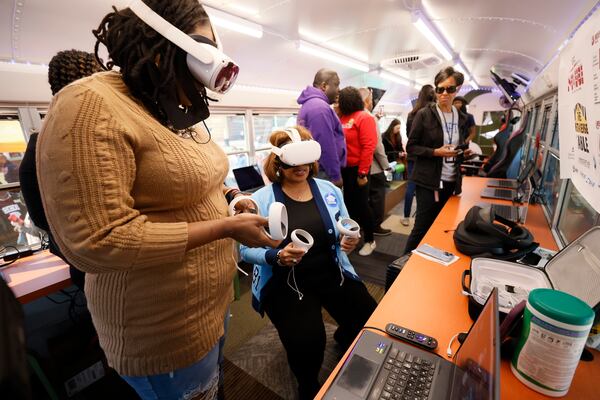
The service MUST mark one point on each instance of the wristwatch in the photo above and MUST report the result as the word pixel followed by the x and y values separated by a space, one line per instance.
pixel 362 176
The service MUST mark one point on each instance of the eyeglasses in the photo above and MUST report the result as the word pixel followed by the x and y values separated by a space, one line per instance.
pixel 448 89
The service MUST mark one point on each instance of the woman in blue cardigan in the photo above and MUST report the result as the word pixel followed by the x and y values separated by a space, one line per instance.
pixel 290 286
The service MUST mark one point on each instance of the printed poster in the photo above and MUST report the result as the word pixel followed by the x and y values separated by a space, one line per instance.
pixel 579 111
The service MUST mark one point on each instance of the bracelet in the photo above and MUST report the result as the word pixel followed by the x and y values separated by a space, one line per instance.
pixel 230 194
pixel 278 258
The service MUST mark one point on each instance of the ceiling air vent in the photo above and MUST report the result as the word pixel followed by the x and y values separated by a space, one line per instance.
pixel 412 62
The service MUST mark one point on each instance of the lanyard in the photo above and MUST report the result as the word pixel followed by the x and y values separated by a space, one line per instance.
pixel 449 131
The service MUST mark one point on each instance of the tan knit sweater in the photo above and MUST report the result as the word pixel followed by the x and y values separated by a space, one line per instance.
pixel 119 189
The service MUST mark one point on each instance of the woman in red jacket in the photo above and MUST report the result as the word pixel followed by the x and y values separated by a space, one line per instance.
pixel 360 130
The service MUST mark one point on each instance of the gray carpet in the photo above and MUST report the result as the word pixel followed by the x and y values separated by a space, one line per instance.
pixel 373 268
pixel 264 358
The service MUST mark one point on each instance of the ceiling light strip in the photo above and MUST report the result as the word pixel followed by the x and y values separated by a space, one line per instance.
pixel 424 25
pixel 234 23
pixel 329 55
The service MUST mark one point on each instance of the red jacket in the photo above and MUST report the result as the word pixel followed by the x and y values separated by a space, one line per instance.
pixel 360 130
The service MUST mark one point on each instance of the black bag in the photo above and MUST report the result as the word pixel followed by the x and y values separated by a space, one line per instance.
pixel 480 236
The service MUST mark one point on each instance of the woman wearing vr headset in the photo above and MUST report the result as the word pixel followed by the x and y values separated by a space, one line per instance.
pixel 436 134
pixel 134 196
pixel 291 286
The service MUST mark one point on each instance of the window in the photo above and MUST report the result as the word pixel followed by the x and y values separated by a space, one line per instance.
pixel 551 185
pixel 229 131
pixel 16 227
pixel 545 121
pixel 12 147
pixel 265 124
pixel 555 136
pixel 236 161
pixel 576 215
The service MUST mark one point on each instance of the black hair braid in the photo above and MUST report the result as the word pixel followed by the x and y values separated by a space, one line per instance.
pixel 68 66
pixel 135 48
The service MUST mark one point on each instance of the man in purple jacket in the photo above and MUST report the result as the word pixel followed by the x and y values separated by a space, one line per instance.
pixel 320 119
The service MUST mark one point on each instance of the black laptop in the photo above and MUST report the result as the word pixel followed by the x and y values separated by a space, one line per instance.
pixel 518 195
pixel 248 178
pixel 525 174
pixel 380 367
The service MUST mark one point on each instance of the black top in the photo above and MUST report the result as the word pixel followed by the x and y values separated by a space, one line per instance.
pixel 29 185
pixel 31 193
pixel 317 262
pixel 425 136
pixel 392 151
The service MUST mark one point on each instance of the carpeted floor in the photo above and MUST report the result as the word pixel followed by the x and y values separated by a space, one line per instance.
pixel 264 358
pixel 239 384
pixel 372 268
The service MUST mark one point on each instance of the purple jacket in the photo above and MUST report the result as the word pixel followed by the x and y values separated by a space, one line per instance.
pixel 317 116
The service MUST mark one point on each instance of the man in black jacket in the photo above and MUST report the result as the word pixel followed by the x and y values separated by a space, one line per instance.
pixel 435 139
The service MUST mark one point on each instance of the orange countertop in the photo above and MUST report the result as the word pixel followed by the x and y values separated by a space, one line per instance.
pixel 36 276
pixel 427 296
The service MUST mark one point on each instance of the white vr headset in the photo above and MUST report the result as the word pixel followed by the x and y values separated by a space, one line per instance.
pixel 298 152
pixel 208 64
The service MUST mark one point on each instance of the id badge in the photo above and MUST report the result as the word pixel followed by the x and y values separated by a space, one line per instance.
pixel 450 160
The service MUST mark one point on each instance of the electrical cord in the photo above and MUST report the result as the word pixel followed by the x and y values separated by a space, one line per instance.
pixel 3 250
pixel 377 329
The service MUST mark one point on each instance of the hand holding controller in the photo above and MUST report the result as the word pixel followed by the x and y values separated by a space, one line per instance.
pixel 349 229
pixel 302 239
pixel 278 218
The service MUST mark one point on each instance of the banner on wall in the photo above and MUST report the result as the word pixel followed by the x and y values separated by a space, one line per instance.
pixel 579 111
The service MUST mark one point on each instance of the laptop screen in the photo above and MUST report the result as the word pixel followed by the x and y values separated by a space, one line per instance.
pixel 248 178
pixel 478 359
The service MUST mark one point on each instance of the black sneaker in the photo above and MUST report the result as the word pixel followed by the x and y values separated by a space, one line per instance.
pixel 379 231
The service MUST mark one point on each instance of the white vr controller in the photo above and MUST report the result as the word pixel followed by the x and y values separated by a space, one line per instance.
pixel 302 239
pixel 348 228
pixel 278 218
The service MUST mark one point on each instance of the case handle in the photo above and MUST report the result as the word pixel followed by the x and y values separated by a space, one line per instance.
pixel 465 288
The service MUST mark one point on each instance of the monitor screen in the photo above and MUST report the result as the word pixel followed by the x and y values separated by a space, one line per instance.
pixel 478 359
pixel 377 95
pixel 248 178
pixel 16 227
pixel 508 89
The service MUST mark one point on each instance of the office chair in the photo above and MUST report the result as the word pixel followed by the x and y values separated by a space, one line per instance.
pixel 507 154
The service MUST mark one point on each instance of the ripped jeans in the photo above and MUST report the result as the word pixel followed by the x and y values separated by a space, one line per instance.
pixel 200 380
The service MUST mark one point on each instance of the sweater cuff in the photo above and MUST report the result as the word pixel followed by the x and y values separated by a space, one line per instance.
pixel 163 243
pixel 271 257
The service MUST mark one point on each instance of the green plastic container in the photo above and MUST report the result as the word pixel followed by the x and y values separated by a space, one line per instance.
pixel 555 328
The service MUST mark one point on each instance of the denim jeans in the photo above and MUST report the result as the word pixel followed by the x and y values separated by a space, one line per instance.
pixel 201 378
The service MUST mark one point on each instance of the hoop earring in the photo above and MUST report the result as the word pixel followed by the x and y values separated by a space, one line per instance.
pixel 278 174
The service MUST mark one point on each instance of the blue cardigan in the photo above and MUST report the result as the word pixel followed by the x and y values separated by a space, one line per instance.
pixel 330 203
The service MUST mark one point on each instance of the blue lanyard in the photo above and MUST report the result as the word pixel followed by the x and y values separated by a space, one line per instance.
pixel 449 132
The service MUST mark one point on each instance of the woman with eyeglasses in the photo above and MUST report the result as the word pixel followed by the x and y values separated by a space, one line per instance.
pixel 435 138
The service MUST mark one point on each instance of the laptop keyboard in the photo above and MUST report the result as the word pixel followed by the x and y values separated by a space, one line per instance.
pixel 506 184
pixel 508 212
pixel 407 377
pixel 504 193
